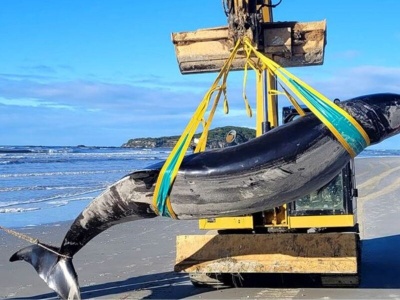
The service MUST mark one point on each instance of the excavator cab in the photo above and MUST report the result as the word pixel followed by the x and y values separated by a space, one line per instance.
pixel 338 197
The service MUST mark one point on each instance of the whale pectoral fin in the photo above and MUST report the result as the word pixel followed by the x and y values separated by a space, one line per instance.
pixel 58 272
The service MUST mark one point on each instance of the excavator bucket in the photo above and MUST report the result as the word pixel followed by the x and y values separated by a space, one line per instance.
pixel 290 44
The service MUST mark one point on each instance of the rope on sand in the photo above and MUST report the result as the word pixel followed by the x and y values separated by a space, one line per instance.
pixel 31 240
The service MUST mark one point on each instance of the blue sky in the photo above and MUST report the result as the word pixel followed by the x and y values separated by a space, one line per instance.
pixel 102 72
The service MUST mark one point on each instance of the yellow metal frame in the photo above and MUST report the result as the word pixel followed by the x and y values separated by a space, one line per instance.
pixel 244 222
pixel 321 221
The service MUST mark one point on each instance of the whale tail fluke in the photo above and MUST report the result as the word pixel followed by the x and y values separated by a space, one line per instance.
pixel 57 271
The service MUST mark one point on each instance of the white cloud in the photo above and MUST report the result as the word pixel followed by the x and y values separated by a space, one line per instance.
pixel 32 102
pixel 356 81
pixel 111 113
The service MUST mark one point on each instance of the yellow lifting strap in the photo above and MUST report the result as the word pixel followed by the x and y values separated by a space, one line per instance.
pixel 161 202
pixel 342 125
pixel 292 100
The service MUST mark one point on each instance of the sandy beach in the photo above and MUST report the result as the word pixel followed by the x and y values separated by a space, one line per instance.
pixel 135 260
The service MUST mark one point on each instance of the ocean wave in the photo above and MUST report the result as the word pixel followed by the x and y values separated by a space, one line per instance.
pixel 81 150
pixel 81 198
pixel 39 188
pixel 35 150
pixel 380 153
pixel 75 156
pixel 60 179
pixel 9 203
pixel 58 203
pixel 11 151
pixel 17 210
pixel 58 173
pixel 50 204
pixel 60 197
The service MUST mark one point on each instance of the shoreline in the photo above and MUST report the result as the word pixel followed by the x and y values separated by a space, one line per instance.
pixel 135 260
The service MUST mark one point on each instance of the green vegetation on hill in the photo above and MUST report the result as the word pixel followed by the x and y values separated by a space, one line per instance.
pixel 216 138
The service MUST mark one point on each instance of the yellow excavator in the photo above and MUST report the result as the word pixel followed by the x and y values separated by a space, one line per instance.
pixel 316 235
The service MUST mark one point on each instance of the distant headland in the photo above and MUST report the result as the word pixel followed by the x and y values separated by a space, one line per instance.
pixel 216 138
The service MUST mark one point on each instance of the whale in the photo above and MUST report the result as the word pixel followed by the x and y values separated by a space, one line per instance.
pixel 278 167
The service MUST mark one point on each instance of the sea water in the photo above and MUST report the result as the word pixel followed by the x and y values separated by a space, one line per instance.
pixel 40 185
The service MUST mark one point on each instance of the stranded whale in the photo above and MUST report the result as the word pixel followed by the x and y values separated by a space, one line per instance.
pixel 278 167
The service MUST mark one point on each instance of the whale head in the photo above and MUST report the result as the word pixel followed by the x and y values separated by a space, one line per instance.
pixel 378 114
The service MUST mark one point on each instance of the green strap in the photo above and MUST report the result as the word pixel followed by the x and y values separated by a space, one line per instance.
pixel 165 185
pixel 333 115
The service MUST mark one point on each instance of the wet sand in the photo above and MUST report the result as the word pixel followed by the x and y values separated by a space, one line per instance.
pixel 135 260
